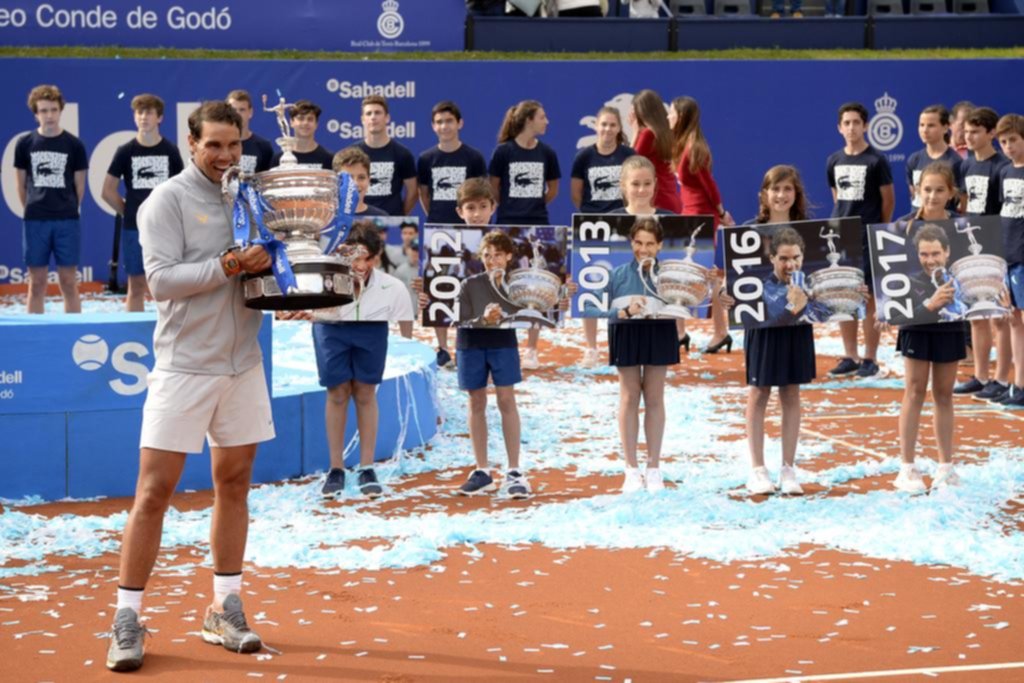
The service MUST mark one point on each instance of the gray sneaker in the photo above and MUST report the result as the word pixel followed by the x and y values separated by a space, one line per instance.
pixel 126 641
pixel 228 628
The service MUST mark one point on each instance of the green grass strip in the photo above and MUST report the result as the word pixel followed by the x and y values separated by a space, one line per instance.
pixel 115 52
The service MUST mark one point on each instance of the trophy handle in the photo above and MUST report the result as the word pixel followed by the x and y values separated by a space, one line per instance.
pixel 648 263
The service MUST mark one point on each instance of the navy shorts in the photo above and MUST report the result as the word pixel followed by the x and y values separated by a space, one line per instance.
pixel 131 252
pixel 62 238
pixel 475 365
pixel 350 351
pixel 1015 283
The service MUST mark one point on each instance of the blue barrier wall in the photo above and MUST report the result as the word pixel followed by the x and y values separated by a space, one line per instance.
pixel 346 25
pixel 72 389
pixel 755 113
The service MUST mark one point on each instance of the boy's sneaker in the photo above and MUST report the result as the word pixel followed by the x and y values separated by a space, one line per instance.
pixel 993 388
pixel 868 368
pixel 971 386
pixel 126 641
pixel 228 628
pixel 633 480
pixel 945 476
pixel 788 483
pixel 530 359
pixel 444 359
pixel 909 480
pixel 1008 393
pixel 590 359
pixel 368 484
pixel 334 483
pixel 479 483
pixel 1014 399
pixel 516 485
pixel 845 366
pixel 653 480
pixel 759 483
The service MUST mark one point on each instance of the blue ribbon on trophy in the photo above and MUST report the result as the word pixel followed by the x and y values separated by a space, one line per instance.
pixel 248 200
pixel 348 199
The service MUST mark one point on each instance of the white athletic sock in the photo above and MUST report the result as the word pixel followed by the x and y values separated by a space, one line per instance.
pixel 225 585
pixel 130 597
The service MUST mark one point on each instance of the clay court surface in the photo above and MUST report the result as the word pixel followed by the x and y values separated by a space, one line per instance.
pixel 852 581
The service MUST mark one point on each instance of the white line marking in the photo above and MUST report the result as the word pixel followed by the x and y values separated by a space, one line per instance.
pixel 887 673
pixel 873 453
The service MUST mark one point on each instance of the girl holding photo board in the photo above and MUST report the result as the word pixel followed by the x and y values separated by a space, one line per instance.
pixel 641 349
pixel 930 350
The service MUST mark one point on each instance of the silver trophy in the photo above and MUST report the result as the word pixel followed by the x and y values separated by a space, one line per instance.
pixel 301 203
pixel 681 283
pixel 981 277
pixel 535 290
pixel 838 287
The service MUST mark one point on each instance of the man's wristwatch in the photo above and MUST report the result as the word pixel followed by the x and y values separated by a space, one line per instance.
pixel 230 262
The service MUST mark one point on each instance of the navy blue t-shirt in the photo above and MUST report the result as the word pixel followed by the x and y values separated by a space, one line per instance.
pixel 919 160
pixel 142 169
pixel 371 211
pixel 524 174
pixel 50 165
pixel 442 173
pixel 390 166
pixel 858 180
pixel 981 184
pixel 1011 194
pixel 600 175
pixel 318 158
pixel 257 155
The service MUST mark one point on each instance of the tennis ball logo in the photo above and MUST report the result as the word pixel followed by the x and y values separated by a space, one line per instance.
pixel 90 352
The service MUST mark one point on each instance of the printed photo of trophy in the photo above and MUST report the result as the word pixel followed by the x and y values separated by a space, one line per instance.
pixel 293 209
pixel 534 290
pixel 981 277
pixel 681 284
pixel 839 288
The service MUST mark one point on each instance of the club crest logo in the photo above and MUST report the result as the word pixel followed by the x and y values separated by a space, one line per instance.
pixel 885 130
pixel 390 23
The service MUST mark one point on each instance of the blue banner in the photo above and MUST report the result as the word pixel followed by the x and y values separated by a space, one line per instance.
pixel 81 362
pixel 751 122
pixel 337 25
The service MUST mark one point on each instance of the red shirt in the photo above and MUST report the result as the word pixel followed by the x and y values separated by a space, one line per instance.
pixel 667 195
pixel 699 190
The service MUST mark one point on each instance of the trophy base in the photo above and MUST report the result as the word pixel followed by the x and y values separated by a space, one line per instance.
pixel 528 317
pixel 674 311
pixel 840 318
pixel 320 284
pixel 985 309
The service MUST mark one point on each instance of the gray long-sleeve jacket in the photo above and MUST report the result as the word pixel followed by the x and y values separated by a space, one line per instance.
pixel 203 326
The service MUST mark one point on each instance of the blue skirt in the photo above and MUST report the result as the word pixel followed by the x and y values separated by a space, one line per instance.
pixel 643 342
pixel 932 345
pixel 779 356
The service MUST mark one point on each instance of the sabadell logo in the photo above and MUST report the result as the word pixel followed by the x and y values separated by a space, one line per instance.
pixel 885 130
pixel 91 353
pixel 390 23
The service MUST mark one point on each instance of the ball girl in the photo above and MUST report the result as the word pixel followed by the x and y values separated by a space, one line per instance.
pixel 641 349
pixel 597 188
pixel 699 195
pixel 524 174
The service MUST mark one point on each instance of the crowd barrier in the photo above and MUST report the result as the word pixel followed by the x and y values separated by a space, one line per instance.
pixel 72 389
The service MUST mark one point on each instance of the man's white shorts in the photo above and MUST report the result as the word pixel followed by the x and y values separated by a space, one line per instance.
pixel 182 409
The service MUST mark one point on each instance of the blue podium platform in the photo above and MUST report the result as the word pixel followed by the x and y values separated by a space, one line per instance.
pixel 72 389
